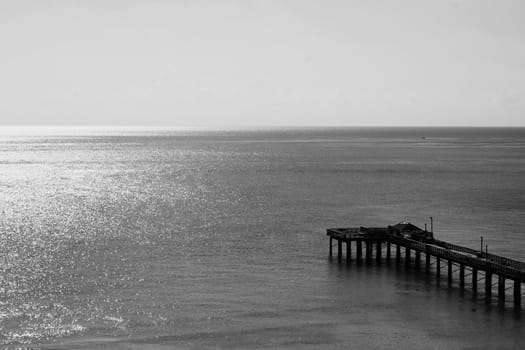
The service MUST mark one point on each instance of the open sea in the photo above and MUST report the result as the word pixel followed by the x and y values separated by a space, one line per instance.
pixel 137 238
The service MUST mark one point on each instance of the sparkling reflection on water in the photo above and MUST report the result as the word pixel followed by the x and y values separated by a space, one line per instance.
pixel 197 239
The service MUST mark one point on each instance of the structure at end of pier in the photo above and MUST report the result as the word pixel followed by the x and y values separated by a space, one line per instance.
pixel 407 238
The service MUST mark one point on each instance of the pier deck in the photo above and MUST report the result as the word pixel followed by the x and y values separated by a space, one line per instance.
pixel 411 239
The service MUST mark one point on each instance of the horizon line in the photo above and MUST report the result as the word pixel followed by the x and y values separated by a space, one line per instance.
pixel 240 126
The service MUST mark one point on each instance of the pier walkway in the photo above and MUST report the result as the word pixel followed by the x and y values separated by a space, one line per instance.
pixel 405 239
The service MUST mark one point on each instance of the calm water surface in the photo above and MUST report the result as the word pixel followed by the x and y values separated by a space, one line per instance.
pixel 186 239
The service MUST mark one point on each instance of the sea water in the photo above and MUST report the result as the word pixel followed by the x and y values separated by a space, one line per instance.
pixel 132 238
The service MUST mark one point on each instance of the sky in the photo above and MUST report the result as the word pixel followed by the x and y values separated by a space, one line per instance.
pixel 258 63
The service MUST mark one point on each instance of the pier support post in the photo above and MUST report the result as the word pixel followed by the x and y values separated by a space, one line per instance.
pixel 462 276
pixel 449 274
pixel 427 262
pixel 474 283
pixel 388 252
pixel 501 290
pixel 418 259
pixel 398 253
pixel 359 251
pixel 407 261
pixel 488 286
pixel 517 294
pixel 378 252
pixel 348 251
pixel 339 249
pixel 368 250
pixel 331 240
pixel 438 269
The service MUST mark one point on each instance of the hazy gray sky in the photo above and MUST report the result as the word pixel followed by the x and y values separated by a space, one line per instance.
pixel 227 62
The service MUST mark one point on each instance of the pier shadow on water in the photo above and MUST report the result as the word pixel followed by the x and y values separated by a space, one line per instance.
pixel 412 279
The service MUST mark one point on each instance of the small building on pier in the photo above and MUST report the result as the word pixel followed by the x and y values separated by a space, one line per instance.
pixel 411 231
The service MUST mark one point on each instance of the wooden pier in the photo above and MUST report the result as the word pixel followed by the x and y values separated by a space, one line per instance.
pixel 405 239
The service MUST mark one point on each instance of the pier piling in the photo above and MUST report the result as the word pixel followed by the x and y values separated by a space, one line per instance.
pixel 462 276
pixel 449 274
pixel 517 294
pixel 438 268
pixel 474 283
pixel 501 290
pixel 488 286
pixel 368 250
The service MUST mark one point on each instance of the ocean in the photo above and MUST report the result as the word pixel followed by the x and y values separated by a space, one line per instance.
pixel 152 238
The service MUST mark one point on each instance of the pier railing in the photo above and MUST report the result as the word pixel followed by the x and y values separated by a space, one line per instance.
pixel 504 261
pixel 455 247
pixel 447 253
pixel 492 257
